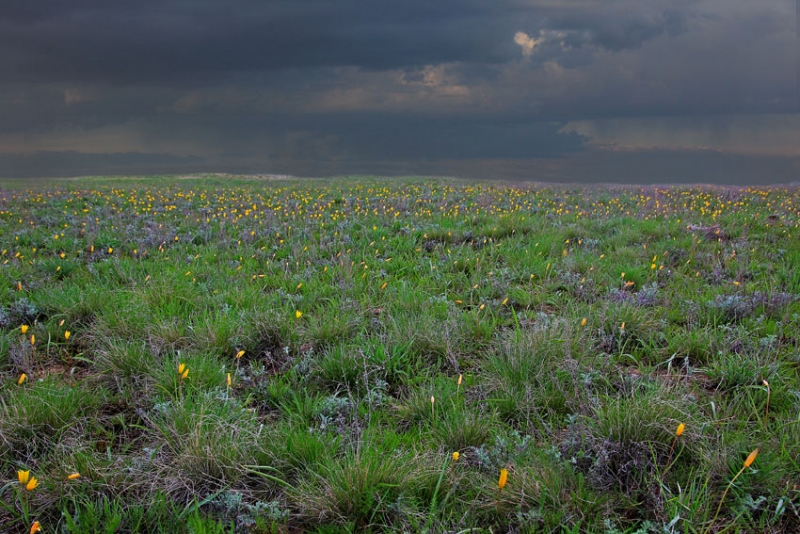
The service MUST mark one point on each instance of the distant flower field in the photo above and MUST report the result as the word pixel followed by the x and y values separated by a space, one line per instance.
pixel 398 355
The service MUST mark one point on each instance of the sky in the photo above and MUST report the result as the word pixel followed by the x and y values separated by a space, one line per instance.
pixel 591 91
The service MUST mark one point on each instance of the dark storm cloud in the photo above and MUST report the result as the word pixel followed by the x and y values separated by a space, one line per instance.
pixel 124 42
pixel 600 166
pixel 663 166
pixel 470 140
pixel 618 25
pixel 393 137
pixel 593 166
pixel 45 164
pixel 33 108
pixel 145 41
pixel 334 86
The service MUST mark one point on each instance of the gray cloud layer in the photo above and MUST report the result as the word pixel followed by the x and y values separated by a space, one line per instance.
pixel 551 85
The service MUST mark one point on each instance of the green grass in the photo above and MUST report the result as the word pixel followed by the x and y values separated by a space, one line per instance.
pixel 381 326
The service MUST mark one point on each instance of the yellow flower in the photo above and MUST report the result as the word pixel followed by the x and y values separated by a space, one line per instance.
pixel 73 476
pixel 35 527
pixel 583 322
pixel 185 374
pixel 229 380
pixel 680 429
pixel 67 334
pixel 24 328
pixel 33 339
pixel 751 458
pixel 23 476
pixel 239 354
pixel 501 482
pixel 298 314
pixel 22 378
pixel 181 368
pixel 32 483
pixel 456 455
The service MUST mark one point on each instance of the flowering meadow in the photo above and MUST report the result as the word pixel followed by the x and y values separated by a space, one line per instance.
pixel 228 354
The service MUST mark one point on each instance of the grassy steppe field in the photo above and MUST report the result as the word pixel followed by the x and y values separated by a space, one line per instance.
pixel 361 355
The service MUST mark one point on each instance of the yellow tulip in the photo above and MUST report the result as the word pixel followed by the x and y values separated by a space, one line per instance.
pixel 67 334
pixel 73 476
pixel 23 476
pixel 239 354
pixel 747 463
pixel 456 455
pixel 35 527
pixel 680 429
pixel 24 328
pixel 501 482
pixel 751 458
pixel 298 314
pixel 32 483
pixel 22 378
